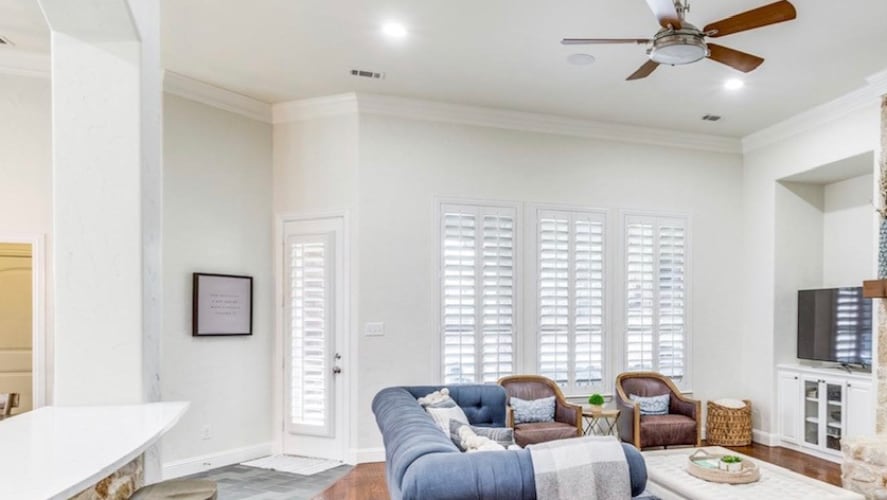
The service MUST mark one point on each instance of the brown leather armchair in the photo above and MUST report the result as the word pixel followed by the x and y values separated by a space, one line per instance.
pixel 679 427
pixel 567 417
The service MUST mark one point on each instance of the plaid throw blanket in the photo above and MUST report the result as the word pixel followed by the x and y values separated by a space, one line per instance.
pixel 588 468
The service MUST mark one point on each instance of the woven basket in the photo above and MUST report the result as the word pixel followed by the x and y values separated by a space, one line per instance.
pixel 728 426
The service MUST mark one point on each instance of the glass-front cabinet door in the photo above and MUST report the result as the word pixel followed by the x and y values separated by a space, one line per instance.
pixel 834 413
pixel 811 411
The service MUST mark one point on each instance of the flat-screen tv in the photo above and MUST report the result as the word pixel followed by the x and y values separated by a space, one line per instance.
pixel 835 324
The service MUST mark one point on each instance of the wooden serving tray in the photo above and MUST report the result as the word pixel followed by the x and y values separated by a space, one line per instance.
pixel 749 473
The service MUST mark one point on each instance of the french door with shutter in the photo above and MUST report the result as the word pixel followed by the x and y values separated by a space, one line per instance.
pixel 314 335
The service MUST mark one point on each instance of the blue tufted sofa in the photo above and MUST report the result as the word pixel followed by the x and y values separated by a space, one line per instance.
pixel 422 463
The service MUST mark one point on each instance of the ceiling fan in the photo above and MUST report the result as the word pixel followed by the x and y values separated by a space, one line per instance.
pixel 679 42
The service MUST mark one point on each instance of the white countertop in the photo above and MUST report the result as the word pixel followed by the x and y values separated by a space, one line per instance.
pixel 56 452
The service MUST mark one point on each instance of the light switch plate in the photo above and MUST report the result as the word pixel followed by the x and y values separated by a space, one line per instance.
pixel 374 329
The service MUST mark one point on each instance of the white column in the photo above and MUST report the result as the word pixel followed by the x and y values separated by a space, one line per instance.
pixel 106 199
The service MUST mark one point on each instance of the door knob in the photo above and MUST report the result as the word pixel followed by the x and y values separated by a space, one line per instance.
pixel 337 370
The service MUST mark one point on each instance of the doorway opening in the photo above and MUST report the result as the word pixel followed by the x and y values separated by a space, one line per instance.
pixel 16 328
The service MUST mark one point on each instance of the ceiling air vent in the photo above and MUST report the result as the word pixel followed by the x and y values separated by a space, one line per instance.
pixel 711 118
pixel 367 74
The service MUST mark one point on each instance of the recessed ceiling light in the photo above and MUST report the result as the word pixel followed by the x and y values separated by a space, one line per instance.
pixel 580 59
pixel 394 30
pixel 734 84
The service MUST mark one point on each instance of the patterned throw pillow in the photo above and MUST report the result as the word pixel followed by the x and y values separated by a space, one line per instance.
pixel 653 405
pixel 502 435
pixel 537 410
pixel 443 416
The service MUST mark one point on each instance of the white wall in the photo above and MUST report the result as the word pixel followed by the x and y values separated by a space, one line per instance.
pixel 26 174
pixel 25 155
pixel 798 255
pixel 852 134
pixel 848 235
pixel 217 218
pixel 405 164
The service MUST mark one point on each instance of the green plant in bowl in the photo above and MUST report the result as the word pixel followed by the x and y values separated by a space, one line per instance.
pixel 731 463
pixel 596 400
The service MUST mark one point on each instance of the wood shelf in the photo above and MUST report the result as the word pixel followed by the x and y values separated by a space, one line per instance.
pixel 874 289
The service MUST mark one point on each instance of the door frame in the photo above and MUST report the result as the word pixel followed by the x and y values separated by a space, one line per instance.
pixel 39 377
pixel 348 428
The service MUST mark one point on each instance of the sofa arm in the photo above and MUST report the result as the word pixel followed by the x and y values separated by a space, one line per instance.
pixel 637 469
pixel 569 413
pixel 457 476
pixel 682 405
pixel 629 413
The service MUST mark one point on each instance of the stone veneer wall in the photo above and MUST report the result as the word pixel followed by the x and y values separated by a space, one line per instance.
pixel 118 486
pixel 865 459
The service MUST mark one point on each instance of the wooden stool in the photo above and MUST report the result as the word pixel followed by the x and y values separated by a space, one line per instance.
pixel 178 489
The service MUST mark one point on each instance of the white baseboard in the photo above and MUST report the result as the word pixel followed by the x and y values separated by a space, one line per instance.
pixel 831 457
pixel 764 438
pixel 194 465
pixel 366 455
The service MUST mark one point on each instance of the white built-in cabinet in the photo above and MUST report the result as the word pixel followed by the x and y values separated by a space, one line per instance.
pixel 819 407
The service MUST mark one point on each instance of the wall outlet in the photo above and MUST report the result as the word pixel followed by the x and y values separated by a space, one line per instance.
pixel 374 329
pixel 206 432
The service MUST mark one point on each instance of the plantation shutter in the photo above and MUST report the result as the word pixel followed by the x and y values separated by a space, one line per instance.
pixel 655 286
pixel 570 295
pixel 477 293
pixel 310 326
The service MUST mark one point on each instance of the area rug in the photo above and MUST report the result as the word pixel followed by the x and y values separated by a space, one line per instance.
pixel 304 466
pixel 238 482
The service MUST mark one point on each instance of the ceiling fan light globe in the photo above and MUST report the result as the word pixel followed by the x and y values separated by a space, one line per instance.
pixel 678 48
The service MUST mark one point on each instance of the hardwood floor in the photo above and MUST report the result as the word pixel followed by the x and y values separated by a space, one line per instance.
pixel 367 481
pixel 823 470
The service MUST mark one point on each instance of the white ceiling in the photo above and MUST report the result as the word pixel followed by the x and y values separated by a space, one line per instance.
pixel 22 22
pixel 506 53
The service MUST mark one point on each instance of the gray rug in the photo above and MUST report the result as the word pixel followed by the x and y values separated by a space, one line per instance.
pixel 239 482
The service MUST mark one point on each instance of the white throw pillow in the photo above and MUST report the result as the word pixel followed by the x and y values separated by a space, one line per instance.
pixel 435 398
pixel 442 417
pixel 471 442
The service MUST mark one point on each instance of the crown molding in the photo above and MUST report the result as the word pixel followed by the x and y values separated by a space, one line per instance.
pixel 547 124
pixel 317 107
pixel 416 109
pixel 195 90
pixel 22 63
pixel 878 83
pixel 821 115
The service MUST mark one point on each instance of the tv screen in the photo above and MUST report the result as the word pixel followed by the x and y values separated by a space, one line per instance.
pixel 835 324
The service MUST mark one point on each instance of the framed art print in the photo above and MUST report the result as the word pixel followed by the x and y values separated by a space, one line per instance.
pixel 222 305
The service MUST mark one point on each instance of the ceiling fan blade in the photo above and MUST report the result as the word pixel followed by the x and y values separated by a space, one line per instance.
pixel 756 18
pixel 666 13
pixel 734 58
pixel 644 71
pixel 600 41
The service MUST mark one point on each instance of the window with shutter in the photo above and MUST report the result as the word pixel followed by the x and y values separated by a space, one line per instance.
pixel 656 294
pixel 477 292
pixel 570 297
pixel 309 324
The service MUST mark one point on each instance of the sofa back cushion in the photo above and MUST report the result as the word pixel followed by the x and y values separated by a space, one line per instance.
pixel 529 390
pixel 483 404
pixel 644 387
